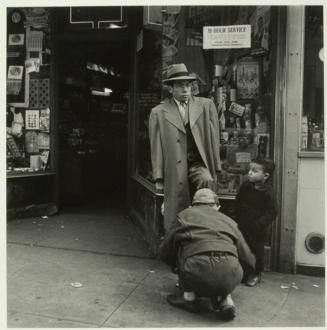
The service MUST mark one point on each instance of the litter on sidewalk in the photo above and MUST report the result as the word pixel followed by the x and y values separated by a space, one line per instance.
pixel 293 285
pixel 76 284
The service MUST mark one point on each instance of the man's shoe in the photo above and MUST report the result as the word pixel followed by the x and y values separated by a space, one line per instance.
pixel 227 309
pixel 215 302
pixel 253 280
pixel 180 302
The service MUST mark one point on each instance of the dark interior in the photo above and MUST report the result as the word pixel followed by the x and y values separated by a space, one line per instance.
pixel 93 128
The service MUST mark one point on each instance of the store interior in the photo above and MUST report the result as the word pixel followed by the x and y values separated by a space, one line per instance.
pixel 93 119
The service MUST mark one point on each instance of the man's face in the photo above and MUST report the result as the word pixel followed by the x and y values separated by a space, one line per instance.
pixel 181 90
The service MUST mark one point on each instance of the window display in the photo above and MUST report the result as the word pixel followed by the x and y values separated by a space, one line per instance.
pixel 28 90
pixel 148 96
pixel 238 80
pixel 312 137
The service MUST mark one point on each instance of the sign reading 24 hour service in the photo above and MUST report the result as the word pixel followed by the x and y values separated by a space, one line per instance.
pixel 229 36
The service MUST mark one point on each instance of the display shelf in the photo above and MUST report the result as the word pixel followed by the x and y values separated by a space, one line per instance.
pixel 311 154
pixel 229 197
pixel 13 175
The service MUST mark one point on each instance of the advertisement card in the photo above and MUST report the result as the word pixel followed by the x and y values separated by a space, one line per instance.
pixel 32 65
pixel 248 83
pixel 15 72
pixel 45 120
pixel 227 37
pixel 14 87
pixel 16 39
pixel 44 141
pixel 32 119
pixel 236 109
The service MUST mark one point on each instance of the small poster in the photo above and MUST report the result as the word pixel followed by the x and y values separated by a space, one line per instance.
pixel 44 157
pixel 34 41
pixel 260 22
pixel 31 142
pixel 15 72
pixel 16 39
pixel 44 141
pixel 263 141
pixel 248 73
pixel 228 183
pixel 32 119
pixel 12 147
pixel 45 120
pixel 236 109
pixel 14 87
pixel 243 157
pixel 32 65
pixel 35 162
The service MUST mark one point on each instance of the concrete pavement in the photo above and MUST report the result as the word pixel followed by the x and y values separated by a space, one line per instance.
pixel 123 285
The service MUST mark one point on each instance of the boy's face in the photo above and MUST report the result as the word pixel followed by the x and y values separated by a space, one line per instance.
pixel 256 173
pixel 181 90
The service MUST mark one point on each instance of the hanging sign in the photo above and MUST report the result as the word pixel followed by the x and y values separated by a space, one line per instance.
pixel 228 36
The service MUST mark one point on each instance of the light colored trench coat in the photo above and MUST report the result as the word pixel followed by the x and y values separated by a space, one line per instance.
pixel 169 151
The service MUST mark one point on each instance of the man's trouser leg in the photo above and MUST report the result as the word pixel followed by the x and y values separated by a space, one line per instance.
pixel 210 275
pixel 200 177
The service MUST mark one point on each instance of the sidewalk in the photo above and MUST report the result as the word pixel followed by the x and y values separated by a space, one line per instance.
pixel 122 285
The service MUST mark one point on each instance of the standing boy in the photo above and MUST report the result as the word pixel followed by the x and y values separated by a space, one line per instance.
pixel 256 210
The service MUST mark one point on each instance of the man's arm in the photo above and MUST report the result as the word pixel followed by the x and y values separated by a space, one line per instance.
pixel 168 250
pixel 156 150
pixel 246 258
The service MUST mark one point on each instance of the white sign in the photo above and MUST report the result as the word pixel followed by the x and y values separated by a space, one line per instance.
pixel 243 157
pixel 228 36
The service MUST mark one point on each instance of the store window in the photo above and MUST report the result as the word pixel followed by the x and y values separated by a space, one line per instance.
pixel 240 80
pixel 312 138
pixel 148 90
pixel 28 90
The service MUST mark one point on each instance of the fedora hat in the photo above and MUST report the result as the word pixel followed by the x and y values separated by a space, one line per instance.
pixel 177 72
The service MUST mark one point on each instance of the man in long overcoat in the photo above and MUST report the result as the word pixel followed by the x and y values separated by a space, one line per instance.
pixel 184 139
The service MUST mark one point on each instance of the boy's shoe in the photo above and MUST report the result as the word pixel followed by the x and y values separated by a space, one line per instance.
pixel 227 308
pixel 253 280
pixel 180 302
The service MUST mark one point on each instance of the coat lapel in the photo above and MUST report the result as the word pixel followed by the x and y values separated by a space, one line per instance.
pixel 195 111
pixel 172 114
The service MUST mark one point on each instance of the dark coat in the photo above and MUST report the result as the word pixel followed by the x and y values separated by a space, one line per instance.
pixel 169 152
pixel 255 210
pixel 201 229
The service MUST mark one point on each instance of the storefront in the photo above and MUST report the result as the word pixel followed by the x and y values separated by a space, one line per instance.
pixel 104 67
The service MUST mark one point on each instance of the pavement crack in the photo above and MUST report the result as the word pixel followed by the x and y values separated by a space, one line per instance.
pixel 83 250
pixel 131 292
pixel 281 307
pixel 53 317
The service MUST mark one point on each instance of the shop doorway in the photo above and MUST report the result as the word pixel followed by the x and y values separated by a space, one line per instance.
pixel 93 122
